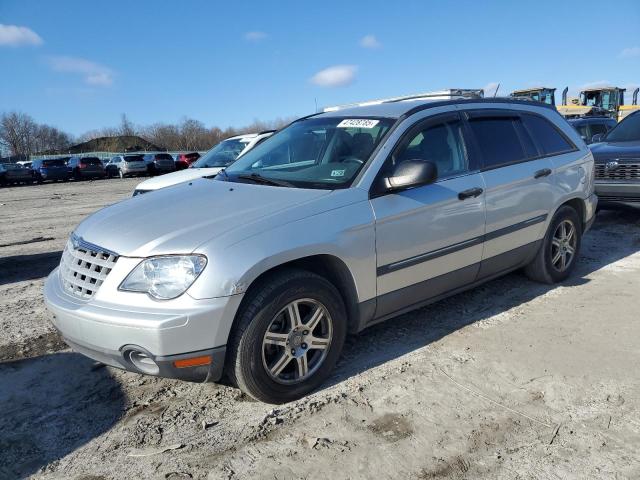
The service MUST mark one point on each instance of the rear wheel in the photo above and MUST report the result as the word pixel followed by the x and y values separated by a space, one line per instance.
pixel 289 335
pixel 120 173
pixel 560 247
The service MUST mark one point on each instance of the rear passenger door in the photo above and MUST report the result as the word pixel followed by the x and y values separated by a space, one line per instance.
pixel 519 187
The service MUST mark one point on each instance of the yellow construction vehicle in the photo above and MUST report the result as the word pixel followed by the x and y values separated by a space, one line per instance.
pixel 537 94
pixel 601 101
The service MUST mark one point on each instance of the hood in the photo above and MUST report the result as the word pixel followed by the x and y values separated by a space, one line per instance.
pixel 613 150
pixel 179 219
pixel 174 178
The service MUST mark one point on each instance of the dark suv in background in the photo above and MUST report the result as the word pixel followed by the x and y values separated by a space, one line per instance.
pixel 50 169
pixel 617 162
pixel 159 163
pixel 86 167
pixel 588 127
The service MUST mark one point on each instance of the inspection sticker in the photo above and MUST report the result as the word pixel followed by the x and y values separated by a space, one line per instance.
pixel 358 123
pixel 337 173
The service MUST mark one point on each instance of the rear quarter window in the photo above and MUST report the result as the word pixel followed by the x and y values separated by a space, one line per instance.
pixel 547 136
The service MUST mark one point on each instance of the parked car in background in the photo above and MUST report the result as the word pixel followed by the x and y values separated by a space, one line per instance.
pixel 184 160
pixel 50 169
pixel 337 222
pixel 159 163
pixel 617 160
pixel 15 174
pixel 587 127
pixel 125 166
pixel 220 156
pixel 86 167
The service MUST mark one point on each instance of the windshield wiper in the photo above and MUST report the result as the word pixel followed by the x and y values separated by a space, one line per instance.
pixel 257 178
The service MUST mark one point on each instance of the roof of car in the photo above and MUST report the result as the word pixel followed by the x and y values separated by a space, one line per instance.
pixel 397 109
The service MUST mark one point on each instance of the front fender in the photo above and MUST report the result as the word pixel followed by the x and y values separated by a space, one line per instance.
pixel 347 233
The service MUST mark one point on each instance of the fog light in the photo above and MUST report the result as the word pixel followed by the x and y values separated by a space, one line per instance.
pixel 142 362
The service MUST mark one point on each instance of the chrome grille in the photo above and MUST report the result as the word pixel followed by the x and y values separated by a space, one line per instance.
pixel 84 267
pixel 622 171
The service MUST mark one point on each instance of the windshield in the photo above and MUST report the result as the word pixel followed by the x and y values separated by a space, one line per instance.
pixel 222 155
pixel 314 152
pixel 626 131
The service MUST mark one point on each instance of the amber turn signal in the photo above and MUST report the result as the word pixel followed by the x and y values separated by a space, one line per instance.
pixel 193 362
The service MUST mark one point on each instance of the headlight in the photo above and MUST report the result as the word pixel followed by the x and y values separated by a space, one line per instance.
pixel 164 277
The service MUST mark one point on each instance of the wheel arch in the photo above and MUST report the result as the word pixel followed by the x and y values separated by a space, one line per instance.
pixel 578 205
pixel 328 266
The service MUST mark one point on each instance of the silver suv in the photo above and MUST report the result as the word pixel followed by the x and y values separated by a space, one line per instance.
pixel 337 222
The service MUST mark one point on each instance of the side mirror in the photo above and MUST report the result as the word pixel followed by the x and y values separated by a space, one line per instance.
pixel 597 137
pixel 412 173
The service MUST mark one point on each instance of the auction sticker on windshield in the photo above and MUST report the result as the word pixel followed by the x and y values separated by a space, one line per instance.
pixel 358 123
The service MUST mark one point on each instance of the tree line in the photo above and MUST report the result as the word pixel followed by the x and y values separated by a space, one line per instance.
pixel 21 135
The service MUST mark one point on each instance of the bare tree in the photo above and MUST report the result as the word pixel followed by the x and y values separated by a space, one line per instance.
pixel 126 127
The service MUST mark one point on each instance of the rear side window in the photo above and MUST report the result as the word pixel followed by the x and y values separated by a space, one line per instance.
pixel 550 140
pixel 91 161
pixel 498 140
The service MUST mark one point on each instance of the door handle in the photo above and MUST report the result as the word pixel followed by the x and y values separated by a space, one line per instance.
pixel 472 192
pixel 545 172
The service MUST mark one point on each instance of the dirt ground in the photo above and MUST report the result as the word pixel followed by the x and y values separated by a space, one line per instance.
pixel 512 380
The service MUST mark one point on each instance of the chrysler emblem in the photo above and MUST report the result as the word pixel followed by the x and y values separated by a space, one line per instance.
pixel 75 241
pixel 611 165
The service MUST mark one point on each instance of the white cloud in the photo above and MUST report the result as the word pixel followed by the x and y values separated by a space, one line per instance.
pixel 596 84
pixel 630 52
pixel 490 89
pixel 15 36
pixel 93 73
pixel 370 41
pixel 255 36
pixel 335 76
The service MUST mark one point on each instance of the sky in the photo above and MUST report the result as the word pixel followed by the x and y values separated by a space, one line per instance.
pixel 78 65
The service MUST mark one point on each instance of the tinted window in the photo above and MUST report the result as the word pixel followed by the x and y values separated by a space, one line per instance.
pixel 439 143
pixel 626 131
pixel 498 140
pixel 53 163
pixel 134 158
pixel 164 156
pixel 598 128
pixel 91 161
pixel 547 135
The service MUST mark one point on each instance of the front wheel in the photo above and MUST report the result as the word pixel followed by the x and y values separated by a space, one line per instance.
pixel 121 174
pixel 560 247
pixel 289 335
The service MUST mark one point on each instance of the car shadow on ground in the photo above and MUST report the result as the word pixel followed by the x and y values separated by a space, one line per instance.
pixel 44 415
pixel 19 268
pixel 615 235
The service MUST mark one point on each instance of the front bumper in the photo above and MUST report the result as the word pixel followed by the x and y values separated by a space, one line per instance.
pixel 109 332
pixel 627 192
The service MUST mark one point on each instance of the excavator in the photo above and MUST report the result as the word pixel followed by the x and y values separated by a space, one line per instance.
pixel 601 101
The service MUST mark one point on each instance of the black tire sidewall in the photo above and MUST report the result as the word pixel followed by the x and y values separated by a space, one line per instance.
pixel 564 213
pixel 249 368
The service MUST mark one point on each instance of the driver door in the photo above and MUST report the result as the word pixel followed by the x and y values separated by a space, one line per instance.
pixel 429 239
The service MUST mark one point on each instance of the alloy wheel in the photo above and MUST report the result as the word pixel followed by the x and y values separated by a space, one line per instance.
pixel 563 245
pixel 297 341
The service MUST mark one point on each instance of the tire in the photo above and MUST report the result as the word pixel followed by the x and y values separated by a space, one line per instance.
pixel 252 360
pixel 543 268
pixel 120 174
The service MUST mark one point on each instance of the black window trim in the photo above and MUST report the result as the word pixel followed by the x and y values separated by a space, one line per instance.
pixel 470 153
pixel 513 114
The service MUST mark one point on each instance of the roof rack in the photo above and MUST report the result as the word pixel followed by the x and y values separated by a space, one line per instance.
pixel 435 95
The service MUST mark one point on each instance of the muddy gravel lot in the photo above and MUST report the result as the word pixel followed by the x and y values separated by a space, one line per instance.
pixel 511 380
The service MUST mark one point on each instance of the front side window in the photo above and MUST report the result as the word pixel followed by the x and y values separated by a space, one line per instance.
pixel 549 138
pixel 439 143
pixel 317 152
pixel 499 140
